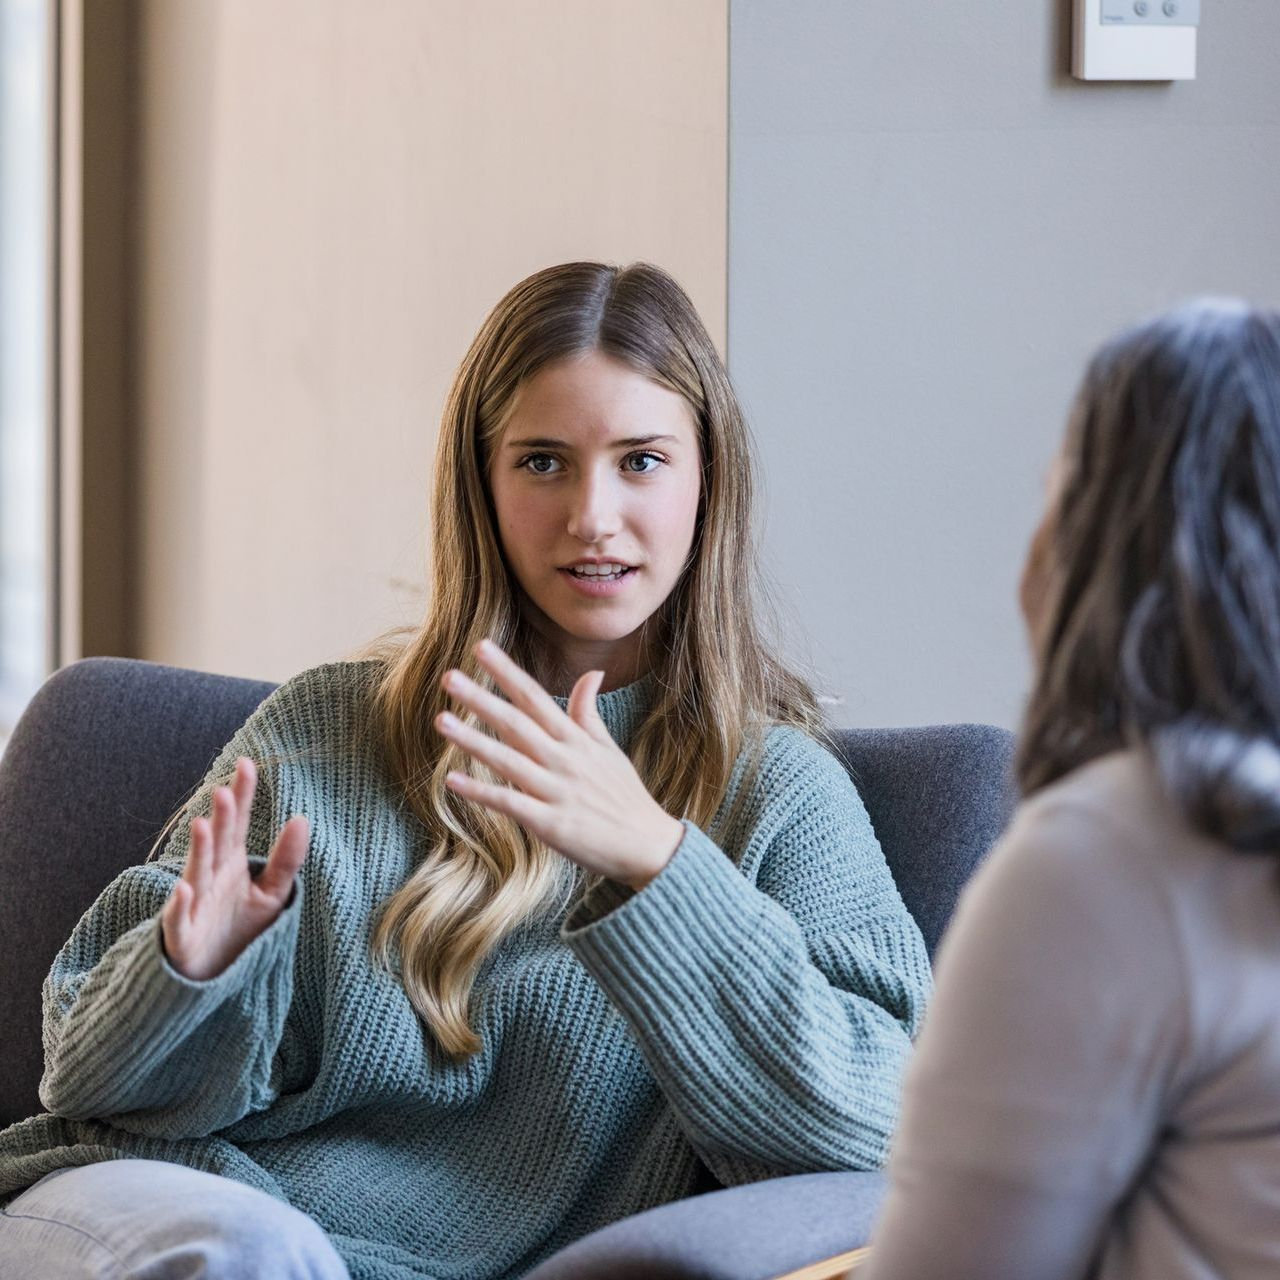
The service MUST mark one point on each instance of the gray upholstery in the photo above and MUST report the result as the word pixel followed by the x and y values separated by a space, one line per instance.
pixel 739 1233
pixel 103 754
pixel 110 747
pixel 938 798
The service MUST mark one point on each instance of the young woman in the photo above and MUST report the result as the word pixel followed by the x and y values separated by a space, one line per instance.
pixel 502 979
pixel 1096 1090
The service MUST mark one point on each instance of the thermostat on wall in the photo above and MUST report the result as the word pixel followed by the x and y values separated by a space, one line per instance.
pixel 1135 39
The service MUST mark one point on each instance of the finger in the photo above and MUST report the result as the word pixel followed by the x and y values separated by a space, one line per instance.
pixel 175 909
pixel 508 721
pixel 245 782
pixel 214 822
pixel 199 872
pixel 224 818
pixel 583 709
pixel 288 854
pixel 184 903
pixel 524 691
pixel 505 761
pixel 173 919
pixel 526 810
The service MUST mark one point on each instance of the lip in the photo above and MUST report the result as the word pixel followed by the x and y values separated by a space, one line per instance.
pixel 591 588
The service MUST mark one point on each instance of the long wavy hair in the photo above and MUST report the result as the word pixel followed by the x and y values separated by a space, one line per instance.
pixel 717 687
pixel 1162 605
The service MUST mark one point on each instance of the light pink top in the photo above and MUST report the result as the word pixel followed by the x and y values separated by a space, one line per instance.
pixel 1096 1088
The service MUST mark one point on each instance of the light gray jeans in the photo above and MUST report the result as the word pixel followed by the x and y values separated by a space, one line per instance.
pixel 153 1220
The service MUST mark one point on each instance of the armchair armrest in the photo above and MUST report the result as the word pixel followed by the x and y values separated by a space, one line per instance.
pixel 760 1229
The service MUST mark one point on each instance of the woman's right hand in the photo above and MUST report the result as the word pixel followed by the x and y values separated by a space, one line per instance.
pixel 217 908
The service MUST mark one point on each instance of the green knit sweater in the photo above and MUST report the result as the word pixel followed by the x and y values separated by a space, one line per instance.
pixel 751 1010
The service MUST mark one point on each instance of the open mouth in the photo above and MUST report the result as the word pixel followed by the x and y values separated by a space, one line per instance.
pixel 598 577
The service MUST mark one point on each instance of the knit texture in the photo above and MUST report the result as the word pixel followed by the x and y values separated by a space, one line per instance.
pixel 751 1009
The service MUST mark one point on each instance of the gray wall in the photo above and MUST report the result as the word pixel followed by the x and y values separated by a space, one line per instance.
pixel 931 226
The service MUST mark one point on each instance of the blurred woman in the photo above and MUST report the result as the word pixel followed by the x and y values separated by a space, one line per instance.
pixel 1096 1090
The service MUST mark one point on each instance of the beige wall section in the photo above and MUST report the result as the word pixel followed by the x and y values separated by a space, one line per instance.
pixel 332 196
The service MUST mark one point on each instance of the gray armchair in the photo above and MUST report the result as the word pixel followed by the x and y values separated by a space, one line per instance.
pixel 110 747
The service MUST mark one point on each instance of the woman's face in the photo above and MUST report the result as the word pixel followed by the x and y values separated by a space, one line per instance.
pixel 565 485
pixel 1037 572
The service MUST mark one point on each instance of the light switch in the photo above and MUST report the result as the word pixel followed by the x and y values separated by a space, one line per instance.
pixel 1163 13
pixel 1135 39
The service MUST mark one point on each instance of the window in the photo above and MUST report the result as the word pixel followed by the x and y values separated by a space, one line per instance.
pixel 26 428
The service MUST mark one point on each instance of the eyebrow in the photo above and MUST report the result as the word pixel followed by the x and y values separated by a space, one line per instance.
pixel 546 442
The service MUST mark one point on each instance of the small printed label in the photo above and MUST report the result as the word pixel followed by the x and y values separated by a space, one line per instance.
pixel 1150 13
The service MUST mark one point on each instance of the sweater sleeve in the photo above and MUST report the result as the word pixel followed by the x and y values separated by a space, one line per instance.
pixel 777 1017
pixel 1037 1089
pixel 129 1039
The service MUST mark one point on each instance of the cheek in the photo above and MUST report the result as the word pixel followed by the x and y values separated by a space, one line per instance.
pixel 516 511
pixel 1024 589
pixel 670 523
pixel 1031 586
pixel 684 512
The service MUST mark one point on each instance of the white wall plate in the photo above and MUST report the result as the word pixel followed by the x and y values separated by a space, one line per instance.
pixel 1135 39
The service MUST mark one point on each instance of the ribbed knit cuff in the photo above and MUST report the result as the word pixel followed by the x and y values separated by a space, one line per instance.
pixel 596 903
pixel 648 948
pixel 762 1056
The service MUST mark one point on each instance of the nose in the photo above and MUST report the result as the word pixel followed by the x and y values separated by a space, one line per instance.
pixel 593 509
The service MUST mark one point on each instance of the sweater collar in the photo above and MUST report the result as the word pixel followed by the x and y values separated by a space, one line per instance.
pixel 622 709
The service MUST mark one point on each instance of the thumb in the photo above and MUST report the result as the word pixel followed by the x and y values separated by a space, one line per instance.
pixel 288 855
pixel 583 702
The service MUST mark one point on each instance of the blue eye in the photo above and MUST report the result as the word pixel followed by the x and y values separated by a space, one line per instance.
pixel 643 453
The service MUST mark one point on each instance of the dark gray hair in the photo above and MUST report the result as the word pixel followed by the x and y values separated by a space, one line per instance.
pixel 1163 622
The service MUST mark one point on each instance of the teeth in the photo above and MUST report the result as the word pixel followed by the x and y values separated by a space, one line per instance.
pixel 598 570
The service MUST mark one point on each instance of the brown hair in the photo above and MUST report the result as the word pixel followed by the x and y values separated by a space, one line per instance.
pixel 1162 624
pixel 717 690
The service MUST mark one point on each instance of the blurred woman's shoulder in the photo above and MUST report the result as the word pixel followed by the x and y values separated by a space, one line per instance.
pixel 1115 798
pixel 1111 828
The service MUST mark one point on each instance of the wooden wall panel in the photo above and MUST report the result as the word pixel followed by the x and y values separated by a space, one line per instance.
pixel 331 197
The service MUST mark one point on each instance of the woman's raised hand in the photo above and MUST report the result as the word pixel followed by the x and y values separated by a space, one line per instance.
pixel 217 908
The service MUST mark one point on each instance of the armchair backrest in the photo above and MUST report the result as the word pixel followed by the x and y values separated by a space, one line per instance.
pixel 938 797
pixel 109 748
pixel 99 760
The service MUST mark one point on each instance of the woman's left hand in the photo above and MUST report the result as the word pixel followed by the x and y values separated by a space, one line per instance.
pixel 574 787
